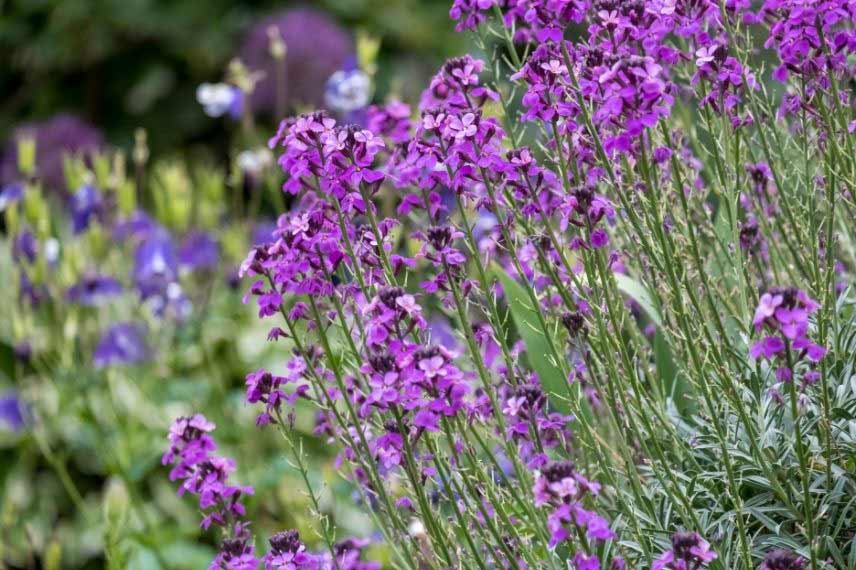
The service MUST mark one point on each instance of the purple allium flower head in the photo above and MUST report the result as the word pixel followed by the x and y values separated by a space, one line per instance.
pixel 689 550
pixel 55 137
pixel 85 204
pixel 93 290
pixel 11 411
pixel 316 48
pixel 122 343
pixel 199 250
pixel 782 560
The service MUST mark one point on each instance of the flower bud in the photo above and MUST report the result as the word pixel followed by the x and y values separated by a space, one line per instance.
pixel 27 156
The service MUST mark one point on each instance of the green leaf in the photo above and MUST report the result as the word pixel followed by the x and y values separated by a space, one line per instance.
pixel 638 293
pixel 537 348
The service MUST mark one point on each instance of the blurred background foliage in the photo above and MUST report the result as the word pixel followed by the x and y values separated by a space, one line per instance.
pixel 124 64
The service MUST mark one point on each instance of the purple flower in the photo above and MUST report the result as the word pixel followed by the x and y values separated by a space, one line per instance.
pixel 86 205
pixel 348 91
pixel 11 411
pixel 220 98
pixel 137 226
pixel 93 290
pixel 782 560
pixel 287 552
pixel 122 343
pixel 689 550
pixel 155 264
pixel 55 138
pixel 10 194
pixel 316 48
pixel 199 251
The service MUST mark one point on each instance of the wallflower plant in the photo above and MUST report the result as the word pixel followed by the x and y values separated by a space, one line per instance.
pixel 639 234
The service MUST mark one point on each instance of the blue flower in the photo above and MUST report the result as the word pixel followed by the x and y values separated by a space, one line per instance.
pixel 199 251
pixel 348 91
pixel 10 194
pixel 217 99
pixel 11 411
pixel 86 204
pixel 93 290
pixel 122 343
pixel 155 264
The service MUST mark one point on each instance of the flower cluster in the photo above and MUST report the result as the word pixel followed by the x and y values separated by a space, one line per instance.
pixel 559 486
pixel 689 551
pixel 782 314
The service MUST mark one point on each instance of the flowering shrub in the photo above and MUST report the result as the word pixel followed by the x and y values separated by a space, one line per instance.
pixel 586 304
pixel 590 309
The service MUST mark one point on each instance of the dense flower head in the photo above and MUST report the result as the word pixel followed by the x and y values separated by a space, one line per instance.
pixel 55 137
pixel 391 121
pixel 539 20
pixel 689 552
pixel 205 475
pixel 812 39
pixel 235 554
pixel 457 86
pixel 316 47
pixel 267 388
pixel 783 315
pixel 349 553
pixel 287 552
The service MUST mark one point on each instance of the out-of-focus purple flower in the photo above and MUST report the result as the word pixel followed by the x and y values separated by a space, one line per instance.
pixel 689 550
pixel 136 226
pixel 155 264
pixel 11 193
pixel 199 251
pixel 782 560
pixel 55 137
pixel 348 91
pixel 85 205
pixel 391 121
pixel 92 290
pixel 25 247
pixel 316 48
pixel 122 343
pixel 217 99
pixel 11 411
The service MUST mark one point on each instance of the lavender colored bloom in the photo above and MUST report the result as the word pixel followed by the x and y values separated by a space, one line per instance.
pixel 689 551
pixel 137 226
pixel 122 343
pixel 199 251
pixel 86 205
pixel 11 411
pixel 10 194
pixel 316 48
pixel 287 552
pixel 782 560
pixel 25 247
pixel 93 290
pixel 55 137
pixel 155 264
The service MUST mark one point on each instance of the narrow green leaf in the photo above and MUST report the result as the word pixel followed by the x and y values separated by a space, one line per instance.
pixel 537 348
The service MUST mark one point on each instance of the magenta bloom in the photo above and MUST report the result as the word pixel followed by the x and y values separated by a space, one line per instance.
pixel 689 551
